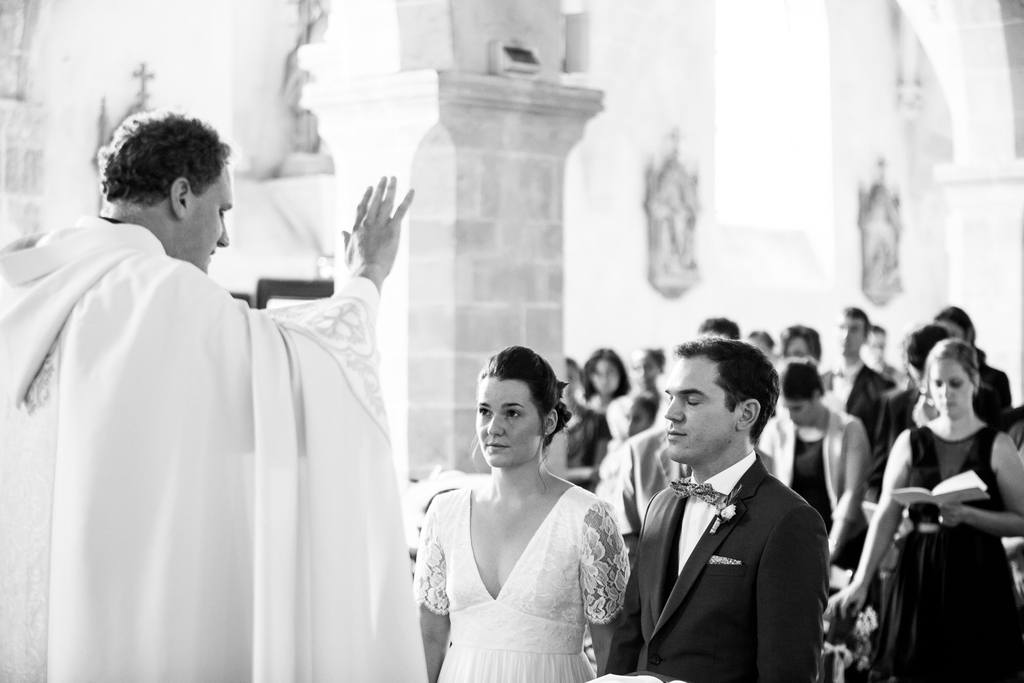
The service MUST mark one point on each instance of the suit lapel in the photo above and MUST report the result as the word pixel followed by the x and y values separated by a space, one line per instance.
pixel 666 545
pixel 709 543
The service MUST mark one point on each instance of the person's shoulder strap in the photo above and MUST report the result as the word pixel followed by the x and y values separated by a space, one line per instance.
pixel 983 443
pixel 922 443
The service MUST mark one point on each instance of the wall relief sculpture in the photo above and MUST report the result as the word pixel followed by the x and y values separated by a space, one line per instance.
pixel 880 228
pixel 672 205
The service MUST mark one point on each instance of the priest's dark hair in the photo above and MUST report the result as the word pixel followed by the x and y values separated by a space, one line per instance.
pixel 744 372
pixel 527 366
pixel 150 150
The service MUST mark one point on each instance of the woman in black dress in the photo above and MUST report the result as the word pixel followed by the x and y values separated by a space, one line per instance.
pixel 950 613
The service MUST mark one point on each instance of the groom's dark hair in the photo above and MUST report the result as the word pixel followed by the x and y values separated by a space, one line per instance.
pixel 744 372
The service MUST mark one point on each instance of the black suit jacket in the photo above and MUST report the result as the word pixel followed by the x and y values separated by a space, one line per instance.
pixel 865 399
pixel 897 415
pixel 760 620
pixel 998 382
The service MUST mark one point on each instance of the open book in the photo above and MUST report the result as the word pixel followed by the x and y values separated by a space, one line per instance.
pixel 962 488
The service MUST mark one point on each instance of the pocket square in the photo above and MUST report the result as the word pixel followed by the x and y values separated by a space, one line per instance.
pixel 718 559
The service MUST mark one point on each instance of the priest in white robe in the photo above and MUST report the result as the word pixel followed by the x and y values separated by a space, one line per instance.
pixel 190 490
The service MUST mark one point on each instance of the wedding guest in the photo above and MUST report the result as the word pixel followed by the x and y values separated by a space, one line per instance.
pixel 763 341
pixel 823 455
pixel 645 366
pixel 873 354
pixel 800 341
pixel 1012 422
pixel 719 327
pixel 851 386
pixel 574 383
pixel 642 469
pixel 604 379
pixel 587 433
pixel 643 412
pixel 912 407
pixel 950 612
pixel 509 573
pixel 960 326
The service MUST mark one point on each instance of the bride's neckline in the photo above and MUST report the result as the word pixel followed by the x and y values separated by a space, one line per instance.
pixel 526 549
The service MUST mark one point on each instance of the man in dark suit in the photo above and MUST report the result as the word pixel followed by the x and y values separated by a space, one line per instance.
pixel 852 387
pixel 731 573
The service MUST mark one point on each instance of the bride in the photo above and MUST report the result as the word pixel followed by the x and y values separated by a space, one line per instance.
pixel 509 573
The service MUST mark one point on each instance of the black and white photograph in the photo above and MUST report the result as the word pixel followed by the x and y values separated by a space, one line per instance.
pixel 511 341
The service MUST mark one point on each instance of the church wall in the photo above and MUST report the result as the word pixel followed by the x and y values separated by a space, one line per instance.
pixel 217 59
pixel 89 53
pixel 265 31
pixel 655 61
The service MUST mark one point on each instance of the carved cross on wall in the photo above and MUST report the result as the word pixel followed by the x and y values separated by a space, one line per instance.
pixel 142 98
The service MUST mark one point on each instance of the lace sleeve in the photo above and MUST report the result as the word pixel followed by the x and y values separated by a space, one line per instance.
pixel 604 566
pixel 431 570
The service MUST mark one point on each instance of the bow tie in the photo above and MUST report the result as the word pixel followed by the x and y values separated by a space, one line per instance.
pixel 705 492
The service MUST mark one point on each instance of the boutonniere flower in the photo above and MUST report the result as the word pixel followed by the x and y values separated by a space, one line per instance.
pixel 726 509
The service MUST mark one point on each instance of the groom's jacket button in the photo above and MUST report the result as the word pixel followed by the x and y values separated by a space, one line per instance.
pixel 654 659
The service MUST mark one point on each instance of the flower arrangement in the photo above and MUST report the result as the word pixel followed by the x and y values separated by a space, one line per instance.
pixel 726 509
pixel 855 648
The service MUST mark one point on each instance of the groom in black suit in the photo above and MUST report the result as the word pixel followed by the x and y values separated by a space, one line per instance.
pixel 731 576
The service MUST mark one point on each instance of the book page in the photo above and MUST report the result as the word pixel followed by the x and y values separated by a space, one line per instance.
pixel 961 482
pixel 961 488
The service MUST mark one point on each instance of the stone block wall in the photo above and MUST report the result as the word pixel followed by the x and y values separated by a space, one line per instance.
pixel 485 250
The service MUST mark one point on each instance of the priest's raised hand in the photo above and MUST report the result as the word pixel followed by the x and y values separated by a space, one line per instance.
pixel 372 245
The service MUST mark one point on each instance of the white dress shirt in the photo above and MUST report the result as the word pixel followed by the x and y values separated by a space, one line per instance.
pixel 843 378
pixel 698 515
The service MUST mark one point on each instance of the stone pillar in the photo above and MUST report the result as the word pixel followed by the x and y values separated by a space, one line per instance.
pixel 985 242
pixel 481 260
pixel 501 256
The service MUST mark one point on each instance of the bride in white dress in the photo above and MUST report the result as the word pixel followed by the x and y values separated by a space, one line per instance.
pixel 510 573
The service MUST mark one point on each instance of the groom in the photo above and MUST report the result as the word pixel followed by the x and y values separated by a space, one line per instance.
pixel 730 581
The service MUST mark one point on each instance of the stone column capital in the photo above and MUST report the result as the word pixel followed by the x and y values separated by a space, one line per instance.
pixel 541 98
pixel 508 115
pixel 481 111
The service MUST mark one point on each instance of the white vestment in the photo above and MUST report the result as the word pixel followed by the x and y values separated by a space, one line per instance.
pixel 190 490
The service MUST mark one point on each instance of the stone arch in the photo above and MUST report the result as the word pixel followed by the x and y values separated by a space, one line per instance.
pixel 977 50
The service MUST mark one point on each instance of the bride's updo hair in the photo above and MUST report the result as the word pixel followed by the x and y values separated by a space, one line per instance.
pixel 525 365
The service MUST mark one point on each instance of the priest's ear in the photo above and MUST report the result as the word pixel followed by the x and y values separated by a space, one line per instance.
pixel 747 413
pixel 180 197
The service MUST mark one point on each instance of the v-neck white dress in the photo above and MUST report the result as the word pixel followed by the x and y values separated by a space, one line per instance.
pixel 573 570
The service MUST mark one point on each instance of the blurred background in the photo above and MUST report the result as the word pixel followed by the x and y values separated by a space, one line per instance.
pixel 589 173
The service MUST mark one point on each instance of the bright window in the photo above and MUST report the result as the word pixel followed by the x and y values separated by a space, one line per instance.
pixel 773 132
